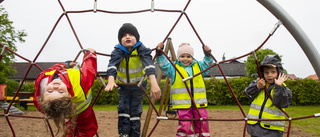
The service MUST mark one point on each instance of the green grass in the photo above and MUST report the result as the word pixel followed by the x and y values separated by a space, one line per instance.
pixel 311 125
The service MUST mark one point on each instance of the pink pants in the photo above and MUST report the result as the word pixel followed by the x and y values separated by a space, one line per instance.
pixel 184 127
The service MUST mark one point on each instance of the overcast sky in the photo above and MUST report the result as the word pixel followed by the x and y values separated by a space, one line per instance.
pixel 233 27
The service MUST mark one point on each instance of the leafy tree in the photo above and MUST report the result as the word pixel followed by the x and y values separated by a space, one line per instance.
pixel 8 37
pixel 251 66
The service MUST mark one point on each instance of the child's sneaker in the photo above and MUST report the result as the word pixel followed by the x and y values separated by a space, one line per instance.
pixel 123 135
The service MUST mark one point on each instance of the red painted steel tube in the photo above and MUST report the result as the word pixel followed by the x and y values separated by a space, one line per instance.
pixel 8 121
pixel 45 43
pixel 154 127
pixel 14 53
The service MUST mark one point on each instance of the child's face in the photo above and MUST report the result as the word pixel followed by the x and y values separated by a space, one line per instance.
pixel 56 89
pixel 186 59
pixel 128 40
pixel 270 74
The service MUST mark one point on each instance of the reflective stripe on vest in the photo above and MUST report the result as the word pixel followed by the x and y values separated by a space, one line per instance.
pixel 81 99
pixel 180 96
pixel 269 112
pixel 131 70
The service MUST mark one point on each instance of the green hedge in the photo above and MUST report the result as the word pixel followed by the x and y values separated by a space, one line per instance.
pixel 12 86
pixel 304 91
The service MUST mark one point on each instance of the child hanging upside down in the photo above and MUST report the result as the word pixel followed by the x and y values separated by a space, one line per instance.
pixel 63 94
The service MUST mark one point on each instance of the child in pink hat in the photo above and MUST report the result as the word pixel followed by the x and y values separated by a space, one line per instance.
pixel 188 66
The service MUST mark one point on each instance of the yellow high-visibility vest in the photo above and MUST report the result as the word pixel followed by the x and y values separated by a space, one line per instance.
pixel 180 96
pixel 131 71
pixel 269 112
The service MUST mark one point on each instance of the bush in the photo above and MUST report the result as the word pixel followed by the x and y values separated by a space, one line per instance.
pixel 304 91
pixel 12 87
pixel 111 97
pixel 104 97
pixel 219 93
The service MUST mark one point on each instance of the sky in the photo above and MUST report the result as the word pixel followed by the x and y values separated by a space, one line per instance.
pixel 230 27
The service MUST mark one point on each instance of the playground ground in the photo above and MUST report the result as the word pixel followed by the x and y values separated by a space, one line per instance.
pixel 107 121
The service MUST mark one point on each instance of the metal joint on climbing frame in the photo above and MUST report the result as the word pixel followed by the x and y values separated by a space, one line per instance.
pixel 32 63
pixel 276 26
pixel 317 115
pixel 289 118
pixel 246 119
pixel 152 6
pixel 162 118
pixel 82 50
pixel 95 7
pixel 188 78
pixel 3 49
pixel 254 55
pixel 140 82
pixel 102 81
pixel 6 115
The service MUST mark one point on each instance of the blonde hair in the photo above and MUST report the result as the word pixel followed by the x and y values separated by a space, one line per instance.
pixel 59 109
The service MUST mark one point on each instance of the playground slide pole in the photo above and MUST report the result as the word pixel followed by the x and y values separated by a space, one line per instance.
pixel 296 31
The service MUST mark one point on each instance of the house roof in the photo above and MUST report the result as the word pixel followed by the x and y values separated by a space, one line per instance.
pixel 292 76
pixel 314 77
pixel 231 69
pixel 22 68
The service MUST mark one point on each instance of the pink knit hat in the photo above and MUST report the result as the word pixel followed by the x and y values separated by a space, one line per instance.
pixel 185 48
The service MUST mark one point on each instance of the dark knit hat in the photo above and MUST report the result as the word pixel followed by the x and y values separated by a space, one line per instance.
pixel 128 28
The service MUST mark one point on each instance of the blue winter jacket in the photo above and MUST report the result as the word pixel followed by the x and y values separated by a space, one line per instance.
pixel 120 51
pixel 167 68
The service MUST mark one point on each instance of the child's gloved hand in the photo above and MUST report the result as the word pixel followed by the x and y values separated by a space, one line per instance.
pixel 160 45
pixel 206 50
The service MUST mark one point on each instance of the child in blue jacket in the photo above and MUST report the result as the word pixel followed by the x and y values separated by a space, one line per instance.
pixel 129 71
pixel 188 66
